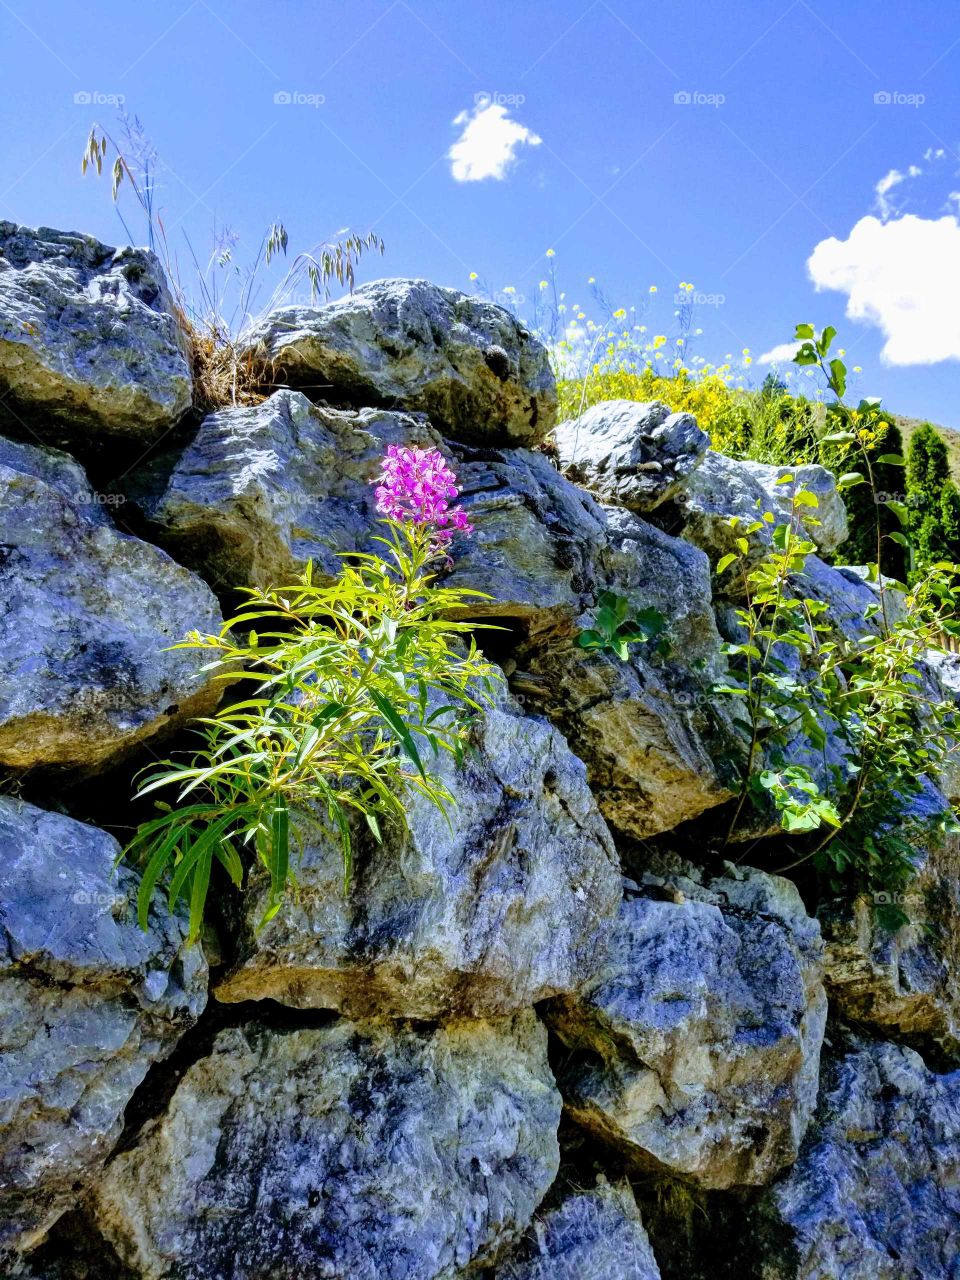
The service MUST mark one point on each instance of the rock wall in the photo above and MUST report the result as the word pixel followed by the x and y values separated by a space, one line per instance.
pixel 566 1038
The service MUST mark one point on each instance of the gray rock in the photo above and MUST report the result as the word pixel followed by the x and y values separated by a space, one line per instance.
pixel 636 454
pixel 535 541
pixel 346 1150
pixel 88 336
pixel 88 615
pixel 645 727
pixel 941 678
pixel 722 487
pixel 594 1234
pixel 508 904
pixel 903 982
pixel 853 605
pixel 696 1049
pixel 265 488
pixel 875 1194
pixel 408 344
pixel 894 605
pixel 87 1002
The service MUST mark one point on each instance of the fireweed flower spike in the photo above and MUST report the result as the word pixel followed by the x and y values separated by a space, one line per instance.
pixel 417 487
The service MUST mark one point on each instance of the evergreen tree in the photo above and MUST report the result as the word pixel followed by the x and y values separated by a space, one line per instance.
pixel 929 490
pixel 861 544
pixel 950 523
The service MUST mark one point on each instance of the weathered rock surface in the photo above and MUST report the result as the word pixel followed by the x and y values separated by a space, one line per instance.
pixel 722 487
pixel 696 1048
pixel 265 488
pixel 88 336
pixel 88 613
pixel 642 726
pixel 875 1194
pixel 371 1097
pixel 903 982
pixel 346 1150
pixel 508 905
pixel 535 542
pixel 632 453
pixel 87 1002
pixel 408 344
pixel 594 1234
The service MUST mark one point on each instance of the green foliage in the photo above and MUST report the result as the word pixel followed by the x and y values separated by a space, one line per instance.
pixel 355 687
pixel 615 627
pixel 863 511
pixel 932 498
pixel 851 447
pixel 892 730
pixel 776 698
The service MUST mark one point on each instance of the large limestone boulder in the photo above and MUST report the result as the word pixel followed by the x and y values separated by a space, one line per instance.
pixel 409 344
pixel 88 616
pixel 593 1234
pixel 629 452
pixel 264 488
pixel 89 338
pixel 507 904
pixel 88 1002
pixel 903 981
pixel 875 1194
pixel 695 1050
pixel 646 728
pixel 342 1150
pixel 721 488
pixel 535 542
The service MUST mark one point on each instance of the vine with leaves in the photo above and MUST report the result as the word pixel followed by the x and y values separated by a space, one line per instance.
pixel 795 674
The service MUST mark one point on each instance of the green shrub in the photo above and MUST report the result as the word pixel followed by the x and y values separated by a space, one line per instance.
pixel 932 498
pixel 892 730
pixel 357 684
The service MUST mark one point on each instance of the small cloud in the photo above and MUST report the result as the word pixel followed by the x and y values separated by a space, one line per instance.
pixel 883 188
pixel 783 353
pixel 487 146
pixel 902 276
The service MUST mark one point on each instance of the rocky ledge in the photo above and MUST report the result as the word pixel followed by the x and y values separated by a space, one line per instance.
pixel 567 1036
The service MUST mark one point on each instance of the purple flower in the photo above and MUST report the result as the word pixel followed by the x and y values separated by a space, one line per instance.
pixel 416 486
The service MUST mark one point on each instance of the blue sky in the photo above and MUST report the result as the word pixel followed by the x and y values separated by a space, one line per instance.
pixel 740 148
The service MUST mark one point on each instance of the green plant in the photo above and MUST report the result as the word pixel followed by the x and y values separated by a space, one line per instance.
pixel 777 697
pixel 615 627
pixel 893 729
pixel 355 685
pixel 855 436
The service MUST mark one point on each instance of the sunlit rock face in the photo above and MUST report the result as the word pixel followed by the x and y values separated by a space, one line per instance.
pixel 468 364
pixel 351 1149
pixel 86 670
pixel 695 1050
pixel 90 345
pixel 88 1002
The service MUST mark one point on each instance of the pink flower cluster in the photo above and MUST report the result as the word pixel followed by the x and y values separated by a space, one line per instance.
pixel 416 486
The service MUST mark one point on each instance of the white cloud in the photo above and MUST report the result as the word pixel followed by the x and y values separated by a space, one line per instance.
pixel 488 145
pixel 889 181
pixel 902 276
pixel 886 184
pixel 783 353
